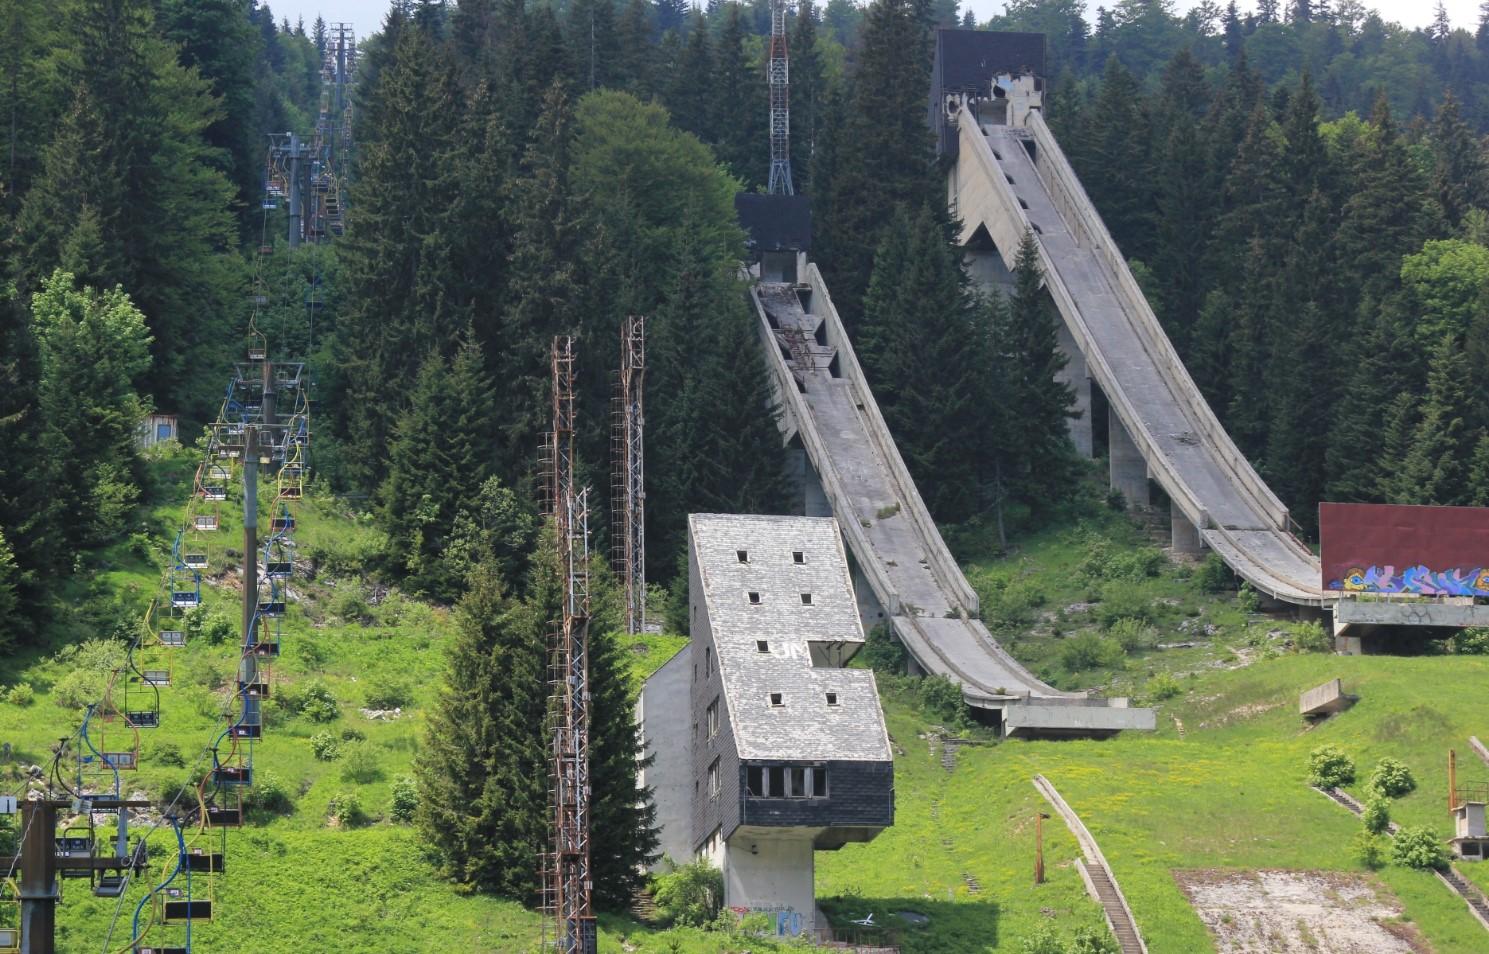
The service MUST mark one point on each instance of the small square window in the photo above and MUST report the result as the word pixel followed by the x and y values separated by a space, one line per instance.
pixel 819 782
pixel 806 599
pixel 755 780
pixel 776 699
pixel 713 718
pixel 798 556
pixel 755 598
pixel 832 698
pixel 744 555
pixel 762 646
pixel 776 777
pixel 714 786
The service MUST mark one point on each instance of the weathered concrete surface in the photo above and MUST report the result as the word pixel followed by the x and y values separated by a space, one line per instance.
pixel 1381 612
pixel 1184 534
pixel 1045 721
pixel 999 189
pixel 897 550
pixel 1324 700
pixel 663 710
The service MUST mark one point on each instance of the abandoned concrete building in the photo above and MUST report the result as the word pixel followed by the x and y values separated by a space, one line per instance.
pixel 766 748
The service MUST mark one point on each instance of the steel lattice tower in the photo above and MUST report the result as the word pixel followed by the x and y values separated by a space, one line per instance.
pixel 567 880
pixel 778 75
pixel 628 497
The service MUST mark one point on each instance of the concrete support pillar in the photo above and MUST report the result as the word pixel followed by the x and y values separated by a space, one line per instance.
pixel 811 499
pixel 773 874
pixel 1186 538
pixel 1129 472
pixel 1078 377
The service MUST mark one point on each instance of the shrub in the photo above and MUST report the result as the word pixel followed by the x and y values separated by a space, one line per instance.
pixel 387 692
pixel 1089 651
pixel 1330 767
pixel 1120 601
pixel 1310 637
pixel 1392 779
pixel 1247 600
pixel 167 753
pixel 883 652
pixel 1472 642
pixel 325 747
pixel 207 627
pixel 405 798
pixel 941 697
pixel 1163 687
pixel 690 896
pixel 349 603
pixel 1418 848
pixel 1132 634
pixel 317 704
pixel 1104 560
pixel 1091 940
pixel 269 796
pixel 345 809
pixel 1370 850
pixel 1377 814
pixel 359 764
pixel 1213 576
pixel 21 694
pixel 1044 940
pixel 353 734
pixel 90 664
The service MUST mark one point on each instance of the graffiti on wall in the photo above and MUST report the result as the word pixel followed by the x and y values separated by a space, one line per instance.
pixel 1389 548
pixel 1415 579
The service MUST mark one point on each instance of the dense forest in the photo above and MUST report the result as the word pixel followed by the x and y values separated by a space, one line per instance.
pixel 1303 193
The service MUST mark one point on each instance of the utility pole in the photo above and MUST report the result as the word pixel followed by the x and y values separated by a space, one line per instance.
pixel 628 503
pixel 778 77
pixel 1452 781
pixel 1039 821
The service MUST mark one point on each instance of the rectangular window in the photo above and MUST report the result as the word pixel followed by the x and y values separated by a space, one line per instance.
pixel 776 777
pixel 798 777
pixel 777 699
pixel 744 555
pixel 819 782
pixel 755 599
pixel 755 780
pixel 798 557
pixel 806 599
pixel 707 661
pixel 832 698
pixel 713 779
pixel 762 646
pixel 713 718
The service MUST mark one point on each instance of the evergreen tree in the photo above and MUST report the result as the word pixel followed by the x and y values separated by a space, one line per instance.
pixel 12 627
pixel 688 99
pixel 1117 162
pixel 483 770
pixel 439 458
pixel 1478 472
pixel 1433 467
pixel 740 128
pixel 589 31
pixel 634 53
pixel 1461 176
pixel 1357 451
pixel 808 94
pixel 28 510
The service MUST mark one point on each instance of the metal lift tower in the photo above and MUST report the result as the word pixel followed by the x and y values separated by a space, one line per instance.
pixel 778 75
pixel 568 883
pixel 628 502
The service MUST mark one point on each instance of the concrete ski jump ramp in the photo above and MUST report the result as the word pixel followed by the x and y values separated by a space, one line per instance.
pixel 827 406
pixel 1011 178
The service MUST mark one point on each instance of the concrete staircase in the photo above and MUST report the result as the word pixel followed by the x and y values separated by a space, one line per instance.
pixel 1099 881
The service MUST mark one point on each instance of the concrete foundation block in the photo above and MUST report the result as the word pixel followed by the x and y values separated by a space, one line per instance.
pixel 1185 535
pixel 1129 472
pixel 1077 376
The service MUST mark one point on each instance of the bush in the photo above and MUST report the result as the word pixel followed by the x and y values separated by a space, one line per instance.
pixel 1120 601
pixel 1418 848
pixel 1472 642
pixel 1377 814
pixel 167 753
pixel 405 798
pixel 359 764
pixel 317 704
pixel 388 692
pixel 349 603
pixel 1392 779
pixel 1044 940
pixel 1310 637
pixel 1132 634
pixel 690 896
pixel 942 698
pixel 883 652
pixel 1163 687
pixel 1104 560
pixel 269 796
pixel 1213 576
pixel 325 747
pixel 1247 600
pixel 345 809
pixel 21 694
pixel 89 665
pixel 1089 651
pixel 1091 940
pixel 1330 767
pixel 207 627
pixel 1370 850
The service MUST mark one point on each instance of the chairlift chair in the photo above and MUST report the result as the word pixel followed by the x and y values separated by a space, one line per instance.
pixel 10 917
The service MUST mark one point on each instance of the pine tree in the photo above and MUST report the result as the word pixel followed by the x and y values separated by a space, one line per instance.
pixel 12 627
pixel 28 509
pixel 1357 456
pixel 589 31
pixel 689 99
pixel 1478 472
pixel 1184 200
pixel 741 105
pixel 482 770
pixel 440 456
pixel 635 50
pixel 1432 470
pixel 1461 174
pixel 807 95
pixel 1117 166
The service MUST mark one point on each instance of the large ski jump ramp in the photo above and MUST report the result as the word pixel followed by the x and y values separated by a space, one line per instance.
pixel 1008 179
pixel 828 406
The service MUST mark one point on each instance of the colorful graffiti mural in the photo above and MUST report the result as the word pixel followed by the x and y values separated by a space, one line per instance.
pixel 1387 548
pixel 1415 579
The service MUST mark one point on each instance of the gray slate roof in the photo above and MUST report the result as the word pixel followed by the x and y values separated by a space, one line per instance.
pixel 805 727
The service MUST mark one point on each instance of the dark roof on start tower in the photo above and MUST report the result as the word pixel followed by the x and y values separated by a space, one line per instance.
pixel 967 61
pixel 775 223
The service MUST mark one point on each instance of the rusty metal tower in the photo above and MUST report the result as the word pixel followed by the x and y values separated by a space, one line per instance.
pixel 628 486
pixel 778 76
pixel 567 880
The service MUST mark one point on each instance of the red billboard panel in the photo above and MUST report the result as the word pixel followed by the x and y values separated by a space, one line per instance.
pixel 1387 548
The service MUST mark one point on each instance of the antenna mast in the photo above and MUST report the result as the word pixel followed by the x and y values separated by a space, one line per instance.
pixel 778 74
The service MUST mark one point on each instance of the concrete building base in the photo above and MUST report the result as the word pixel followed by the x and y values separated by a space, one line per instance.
pixel 1453 612
pixel 1129 472
pixel 773 872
